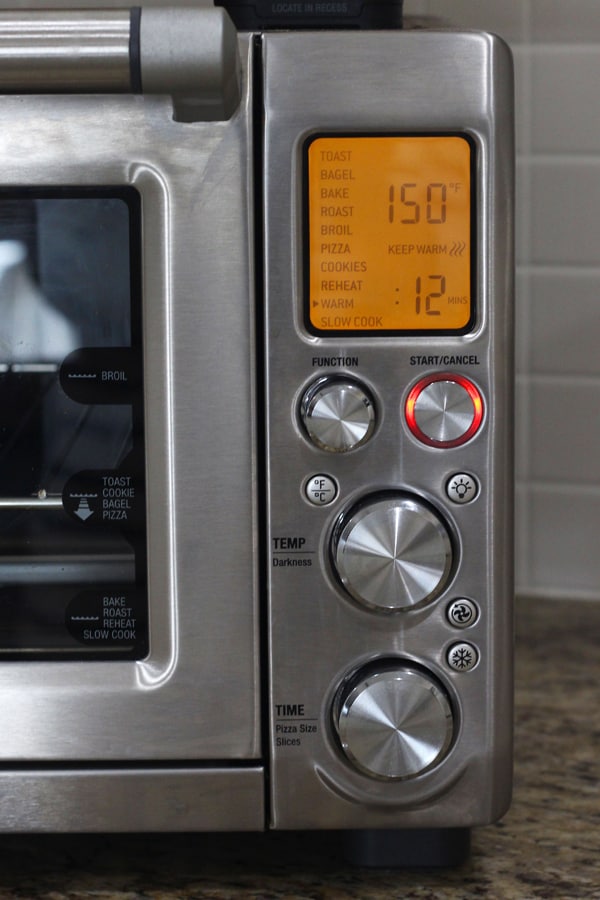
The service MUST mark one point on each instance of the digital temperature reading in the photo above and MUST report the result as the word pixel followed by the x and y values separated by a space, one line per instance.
pixel 389 234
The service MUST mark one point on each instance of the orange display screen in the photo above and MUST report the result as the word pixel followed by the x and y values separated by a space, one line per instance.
pixel 389 233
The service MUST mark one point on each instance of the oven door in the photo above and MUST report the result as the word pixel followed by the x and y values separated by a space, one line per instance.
pixel 129 682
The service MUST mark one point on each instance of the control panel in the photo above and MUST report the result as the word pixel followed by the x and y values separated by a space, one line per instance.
pixel 388 436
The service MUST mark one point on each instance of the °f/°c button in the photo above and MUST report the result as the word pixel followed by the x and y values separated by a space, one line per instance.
pixel 462 488
pixel 320 490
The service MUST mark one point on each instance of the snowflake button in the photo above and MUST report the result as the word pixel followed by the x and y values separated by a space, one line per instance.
pixel 462 657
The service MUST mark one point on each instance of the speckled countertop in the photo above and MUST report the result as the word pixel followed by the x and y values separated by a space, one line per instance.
pixel 547 846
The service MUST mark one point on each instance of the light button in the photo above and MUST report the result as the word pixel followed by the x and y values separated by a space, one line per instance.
pixel 462 488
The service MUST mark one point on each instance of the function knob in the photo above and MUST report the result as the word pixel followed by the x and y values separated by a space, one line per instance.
pixel 444 410
pixel 394 721
pixel 392 552
pixel 338 414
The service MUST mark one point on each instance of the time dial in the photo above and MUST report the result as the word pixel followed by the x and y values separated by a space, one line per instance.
pixel 393 721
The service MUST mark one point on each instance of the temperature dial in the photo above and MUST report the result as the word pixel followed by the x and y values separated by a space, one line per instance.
pixel 392 552
pixel 444 410
pixel 338 414
pixel 394 721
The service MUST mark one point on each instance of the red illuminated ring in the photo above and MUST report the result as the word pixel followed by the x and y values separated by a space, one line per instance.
pixel 473 395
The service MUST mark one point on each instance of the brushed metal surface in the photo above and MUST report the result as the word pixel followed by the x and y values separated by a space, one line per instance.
pixel 412 82
pixel 196 697
pixel 132 799
pixel 66 50
pixel 193 56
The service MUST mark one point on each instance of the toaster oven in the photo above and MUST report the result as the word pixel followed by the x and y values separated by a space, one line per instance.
pixel 256 434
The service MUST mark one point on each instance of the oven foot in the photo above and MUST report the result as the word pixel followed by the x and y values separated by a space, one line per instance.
pixel 390 848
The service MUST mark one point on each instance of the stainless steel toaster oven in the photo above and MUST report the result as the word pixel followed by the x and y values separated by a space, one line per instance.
pixel 256 375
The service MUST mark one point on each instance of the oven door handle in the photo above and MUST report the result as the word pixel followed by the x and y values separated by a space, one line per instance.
pixel 190 54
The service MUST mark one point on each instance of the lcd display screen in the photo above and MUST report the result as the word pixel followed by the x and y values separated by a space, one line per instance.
pixel 389 234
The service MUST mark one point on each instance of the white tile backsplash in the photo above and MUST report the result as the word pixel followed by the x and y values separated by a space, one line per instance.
pixel 556 44
pixel 522 64
pixel 565 210
pixel 563 325
pixel 564 438
pixel 509 17
pixel 558 21
pixel 524 212
pixel 565 100
pixel 563 541
pixel 523 322
pixel 523 430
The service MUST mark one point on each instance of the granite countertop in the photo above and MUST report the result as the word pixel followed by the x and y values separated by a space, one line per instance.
pixel 547 846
